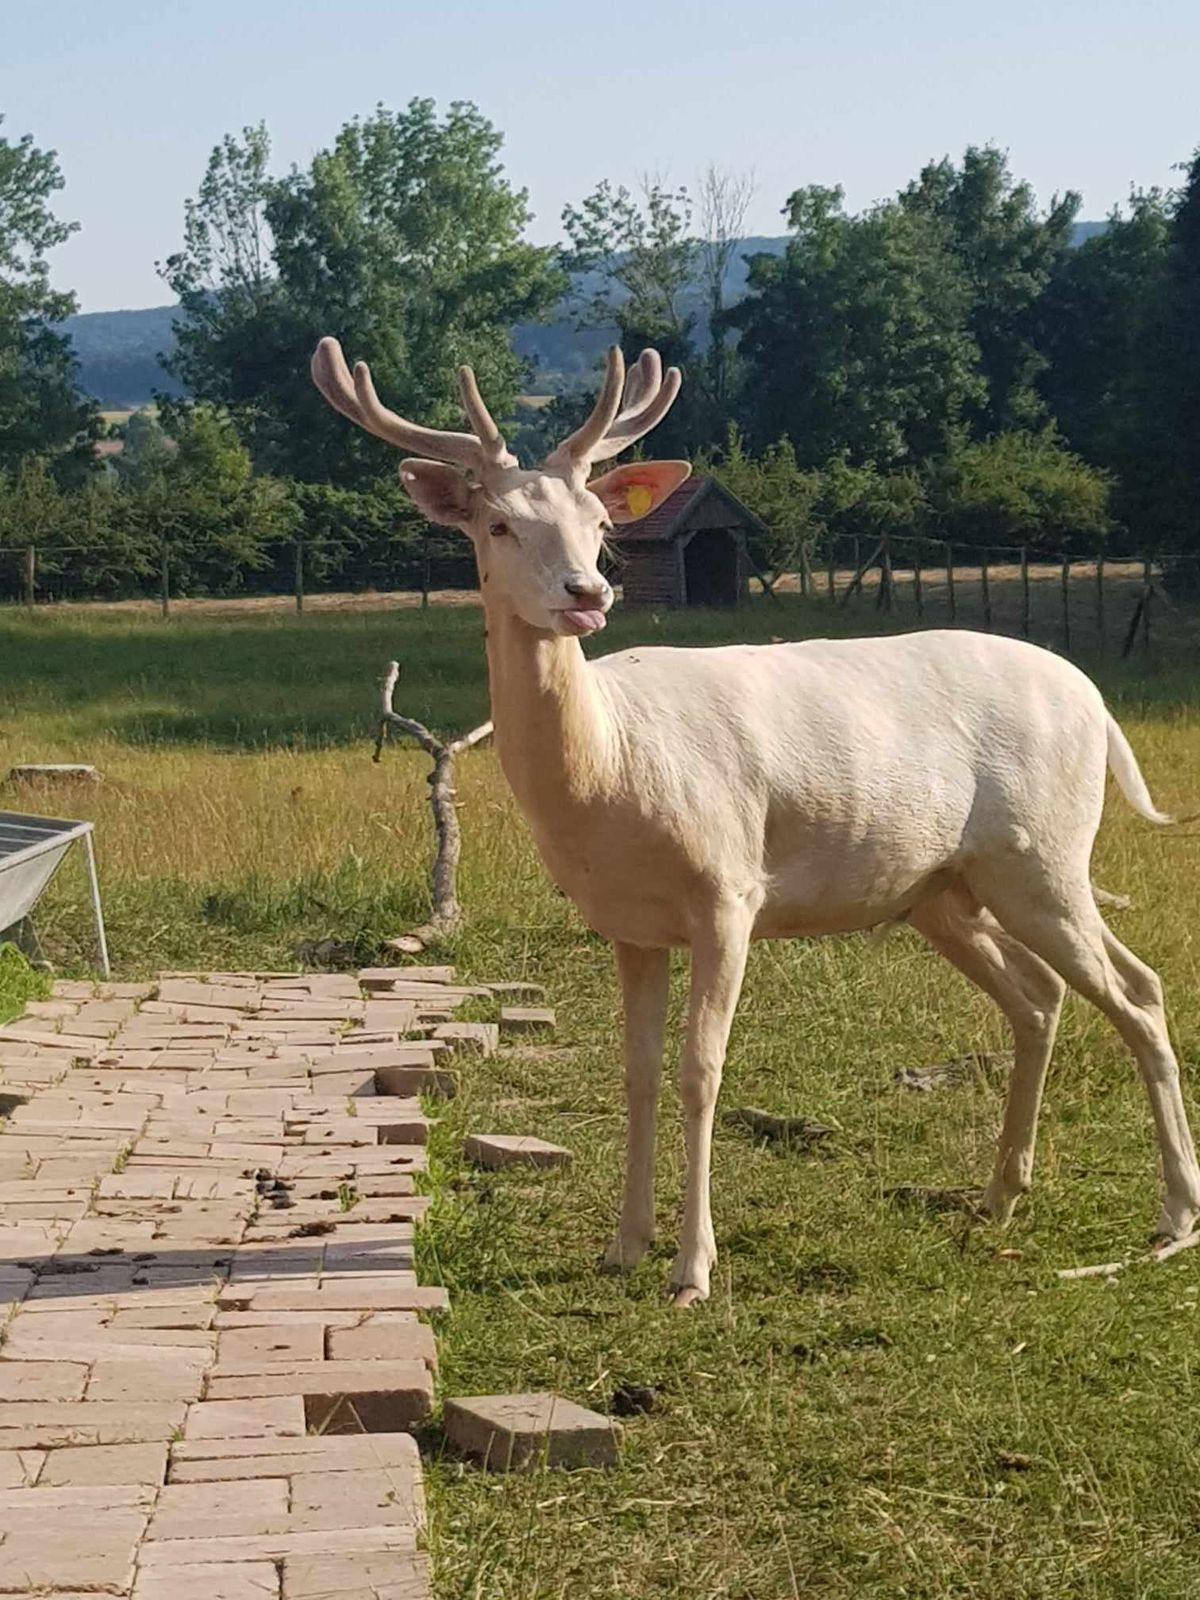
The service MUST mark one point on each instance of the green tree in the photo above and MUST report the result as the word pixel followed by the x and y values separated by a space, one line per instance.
pixel 855 341
pixel 205 506
pixel 1093 318
pixel 1008 253
pixel 1161 479
pixel 404 239
pixel 1020 489
pixel 41 411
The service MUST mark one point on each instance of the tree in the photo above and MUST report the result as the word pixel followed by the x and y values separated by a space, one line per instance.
pixel 404 239
pixel 724 201
pixel 41 412
pixel 1093 318
pixel 855 341
pixel 1008 253
pixel 1020 489
pixel 1161 480
pixel 202 507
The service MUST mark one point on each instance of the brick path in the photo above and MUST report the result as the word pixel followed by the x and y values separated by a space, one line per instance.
pixel 213 1347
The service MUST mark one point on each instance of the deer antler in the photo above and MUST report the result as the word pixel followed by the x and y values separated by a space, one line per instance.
pixel 484 451
pixel 619 420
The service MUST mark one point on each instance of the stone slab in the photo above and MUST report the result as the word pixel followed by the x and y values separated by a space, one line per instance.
pixel 511 1432
pixel 497 1150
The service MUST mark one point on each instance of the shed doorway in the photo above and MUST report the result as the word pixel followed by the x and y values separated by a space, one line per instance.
pixel 711 569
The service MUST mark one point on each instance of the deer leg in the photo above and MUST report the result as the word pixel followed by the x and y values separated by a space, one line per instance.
pixel 1030 994
pixel 1062 925
pixel 644 981
pixel 718 966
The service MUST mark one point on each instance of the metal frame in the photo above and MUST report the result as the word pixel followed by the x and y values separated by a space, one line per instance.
pixel 64 835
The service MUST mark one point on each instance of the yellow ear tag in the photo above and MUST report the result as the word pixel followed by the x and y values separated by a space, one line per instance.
pixel 639 497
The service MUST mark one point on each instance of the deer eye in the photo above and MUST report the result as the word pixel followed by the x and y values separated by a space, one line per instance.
pixel 499 529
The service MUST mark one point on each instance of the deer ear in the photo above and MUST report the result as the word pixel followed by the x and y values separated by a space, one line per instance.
pixel 441 492
pixel 632 492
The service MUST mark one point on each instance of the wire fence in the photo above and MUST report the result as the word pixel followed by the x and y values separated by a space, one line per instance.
pixel 1089 604
pixel 1096 603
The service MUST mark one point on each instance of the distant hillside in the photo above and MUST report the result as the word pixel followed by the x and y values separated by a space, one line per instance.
pixel 118 354
pixel 118 350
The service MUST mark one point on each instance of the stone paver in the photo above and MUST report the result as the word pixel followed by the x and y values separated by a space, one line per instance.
pixel 207 1208
pixel 495 1150
pixel 507 1432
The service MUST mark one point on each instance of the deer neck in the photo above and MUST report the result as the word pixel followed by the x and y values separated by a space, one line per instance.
pixel 554 733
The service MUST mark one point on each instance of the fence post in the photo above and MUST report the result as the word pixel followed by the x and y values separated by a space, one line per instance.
pixel 883 600
pixel 425 571
pixel 986 587
pixel 1148 585
pixel 299 553
pixel 1024 591
pixel 30 575
pixel 805 571
pixel 1066 601
pixel 166 580
pixel 1100 601
pixel 950 582
pixel 857 566
pixel 918 587
pixel 831 570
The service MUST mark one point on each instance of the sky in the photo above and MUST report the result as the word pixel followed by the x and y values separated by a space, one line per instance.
pixel 1084 94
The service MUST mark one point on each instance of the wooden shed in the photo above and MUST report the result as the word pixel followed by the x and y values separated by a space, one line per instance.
pixel 690 551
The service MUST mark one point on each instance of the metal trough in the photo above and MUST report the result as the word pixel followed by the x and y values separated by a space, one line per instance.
pixel 31 850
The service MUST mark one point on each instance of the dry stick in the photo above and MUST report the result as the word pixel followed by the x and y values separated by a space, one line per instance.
pixel 1066 601
pixel 447 913
pixel 950 582
pixel 1024 591
pixel 861 568
pixel 1109 1269
pixel 986 588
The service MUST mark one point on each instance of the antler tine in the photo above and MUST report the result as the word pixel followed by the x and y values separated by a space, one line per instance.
pixel 355 397
pixel 578 449
pixel 332 377
pixel 642 384
pixel 490 437
pixel 633 425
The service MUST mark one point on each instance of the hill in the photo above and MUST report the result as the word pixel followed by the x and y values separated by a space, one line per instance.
pixel 118 351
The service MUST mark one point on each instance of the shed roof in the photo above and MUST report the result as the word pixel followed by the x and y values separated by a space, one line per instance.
pixel 671 517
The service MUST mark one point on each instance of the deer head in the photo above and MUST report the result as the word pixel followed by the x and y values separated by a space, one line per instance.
pixel 537 534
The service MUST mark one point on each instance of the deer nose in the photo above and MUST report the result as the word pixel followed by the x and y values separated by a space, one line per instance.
pixel 594 591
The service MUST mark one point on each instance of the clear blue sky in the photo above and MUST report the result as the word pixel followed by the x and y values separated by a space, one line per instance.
pixel 1088 94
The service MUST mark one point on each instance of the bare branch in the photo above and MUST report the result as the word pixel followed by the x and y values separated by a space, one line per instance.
pixel 447 914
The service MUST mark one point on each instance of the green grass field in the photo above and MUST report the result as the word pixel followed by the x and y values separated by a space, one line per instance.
pixel 876 1403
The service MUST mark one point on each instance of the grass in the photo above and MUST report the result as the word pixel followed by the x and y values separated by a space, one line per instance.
pixel 876 1402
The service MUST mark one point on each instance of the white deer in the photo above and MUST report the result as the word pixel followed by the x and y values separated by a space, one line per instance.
pixel 707 797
